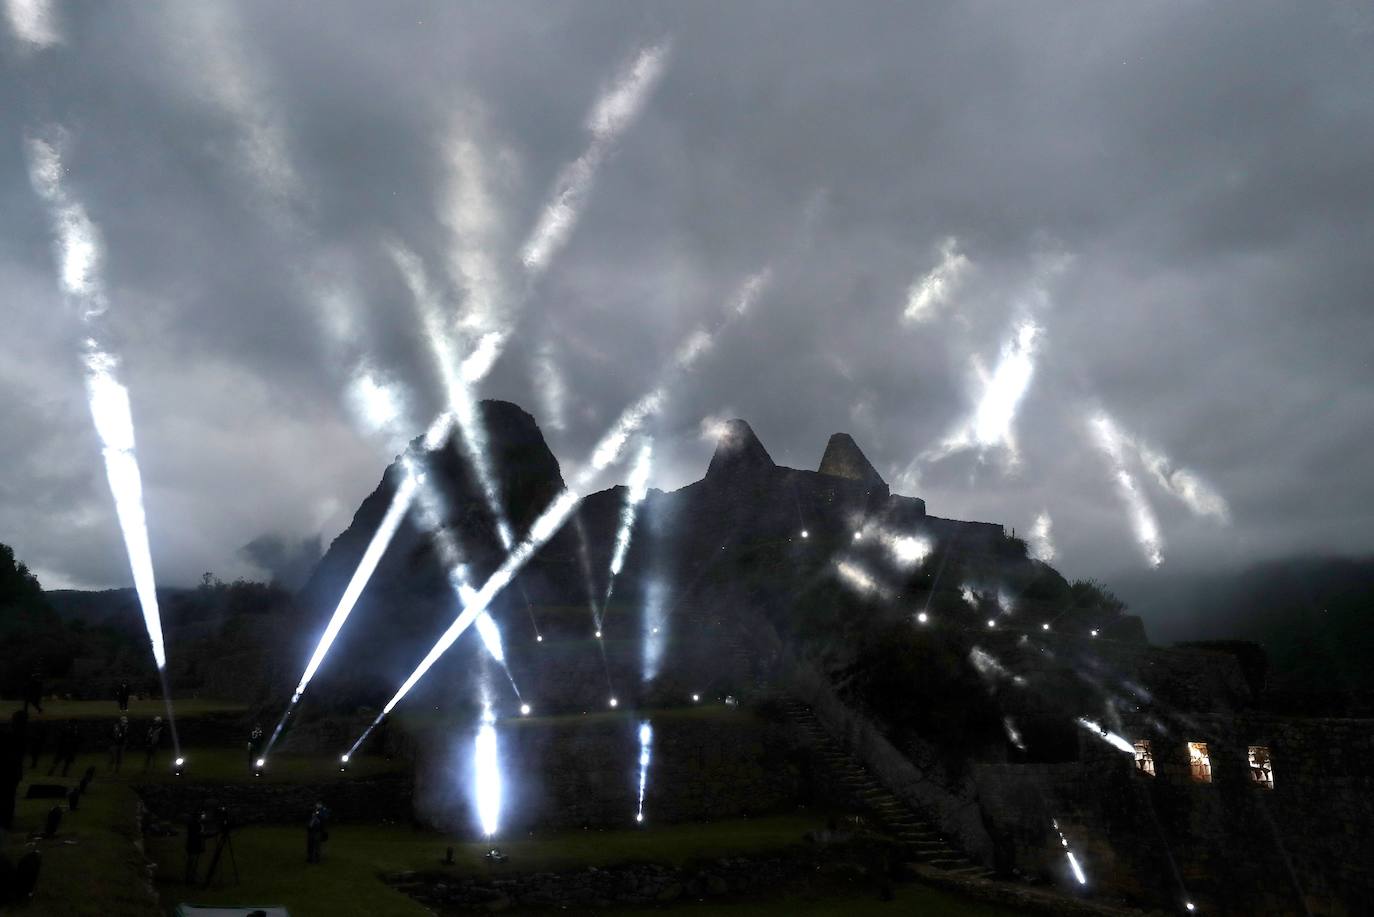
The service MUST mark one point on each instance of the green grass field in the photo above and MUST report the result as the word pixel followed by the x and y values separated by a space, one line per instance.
pixel 94 867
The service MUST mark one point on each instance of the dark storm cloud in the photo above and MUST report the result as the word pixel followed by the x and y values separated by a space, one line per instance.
pixel 1202 169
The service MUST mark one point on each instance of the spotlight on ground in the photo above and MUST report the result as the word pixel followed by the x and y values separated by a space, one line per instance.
pixel 805 533
pixel 524 709
pixel 1094 633
pixel 598 635
pixel 614 702
pixel 1190 906
pixel 923 618
pixel 343 763
pixel 858 536
pixel 991 623
pixel 646 738
pixel 487 768
pixel 179 766
pixel 258 765
pixel 538 638
pixel 1045 626
pixel 696 698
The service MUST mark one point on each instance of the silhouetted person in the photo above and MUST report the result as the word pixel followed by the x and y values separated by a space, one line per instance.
pixel 118 740
pixel 74 798
pixel 152 741
pixel 87 777
pixel 65 755
pixel 254 744
pixel 195 844
pixel 52 822
pixel 316 833
pixel 33 693
pixel 122 696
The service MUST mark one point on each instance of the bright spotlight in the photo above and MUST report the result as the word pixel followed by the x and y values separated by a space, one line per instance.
pixel 1190 906
pixel 487 770
pixel 858 536
pixel 344 758
pixel 614 702
pixel 1094 633
pixel 1077 870
pixel 991 623
pixel 805 533
pixel 180 762
pixel 923 618
pixel 655 630
pixel 538 638
pixel 1045 626
pixel 524 709
pixel 598 635
pixel 261 762
pixel 639 817
pixel 696 698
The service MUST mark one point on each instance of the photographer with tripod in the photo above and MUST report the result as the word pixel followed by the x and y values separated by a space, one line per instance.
pixel 223 831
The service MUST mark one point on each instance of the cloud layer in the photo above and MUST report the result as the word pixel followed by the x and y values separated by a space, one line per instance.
pixel 1195 176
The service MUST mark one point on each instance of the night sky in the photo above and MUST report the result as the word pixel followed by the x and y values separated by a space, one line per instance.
pixel 1158 213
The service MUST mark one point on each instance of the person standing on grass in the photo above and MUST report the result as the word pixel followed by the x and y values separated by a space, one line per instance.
pixel 120 739
pixel 195 844
pixel 316 833
pixel 122 696
pixel 67 742
pixel 153 740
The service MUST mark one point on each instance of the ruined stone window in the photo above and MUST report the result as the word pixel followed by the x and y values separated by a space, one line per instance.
pixel 1199 762
pixel 1261 766
pixel 1144 757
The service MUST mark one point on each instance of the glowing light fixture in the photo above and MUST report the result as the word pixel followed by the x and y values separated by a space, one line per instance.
pixel 487 775
pixel 524 709
pixel 614 702
pixel 991 623
pixel 696 698
pixel 923 618
pixel 805 533
pixel 1045 626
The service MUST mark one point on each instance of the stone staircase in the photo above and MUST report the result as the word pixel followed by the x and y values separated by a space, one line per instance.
pixel 921 841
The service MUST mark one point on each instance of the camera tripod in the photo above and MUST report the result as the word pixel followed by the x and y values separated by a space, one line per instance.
pixel 226 841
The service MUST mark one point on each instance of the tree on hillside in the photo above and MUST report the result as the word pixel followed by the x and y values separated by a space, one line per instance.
pixel 32 637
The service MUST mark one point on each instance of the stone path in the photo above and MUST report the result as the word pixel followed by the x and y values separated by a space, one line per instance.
pixel 922 842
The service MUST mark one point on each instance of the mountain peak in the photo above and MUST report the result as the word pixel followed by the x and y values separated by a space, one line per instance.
pixel 738 449
pixel 844 459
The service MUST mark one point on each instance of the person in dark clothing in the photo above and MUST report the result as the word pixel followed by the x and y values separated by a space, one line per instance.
pixel 195 844
pixel 152 741
pixel 119 740
pixel 316 833
pixel 33 693
pixel 122 695
pixel 65 756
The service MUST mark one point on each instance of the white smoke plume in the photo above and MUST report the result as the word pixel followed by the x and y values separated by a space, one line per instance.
pixel 1143 521
pixel 1042 538
pixel 638 489
pixel 33 22
pixel 1183 484
pixel 79 253
pixel 461 402
pixel 993 420
pixel 550 387
pixel 613 113
pixel 931 290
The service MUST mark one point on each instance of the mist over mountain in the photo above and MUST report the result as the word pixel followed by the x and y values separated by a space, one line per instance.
pixel 1312 615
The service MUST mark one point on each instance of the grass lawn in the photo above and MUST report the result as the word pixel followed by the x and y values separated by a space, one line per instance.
pixel 91 869
pixel 273 870
pixel 145 709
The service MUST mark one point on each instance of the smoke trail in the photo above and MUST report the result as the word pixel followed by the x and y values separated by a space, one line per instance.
pixel 646 739
pixel 934 288
pixel 549 385
pixel 614 112
pixel 33 22
pixel 1113 446
pixel 638 488
pixel 79 252
pixel 993 418
pixel 472 432
pixel 1041 539
pixel 1183 484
